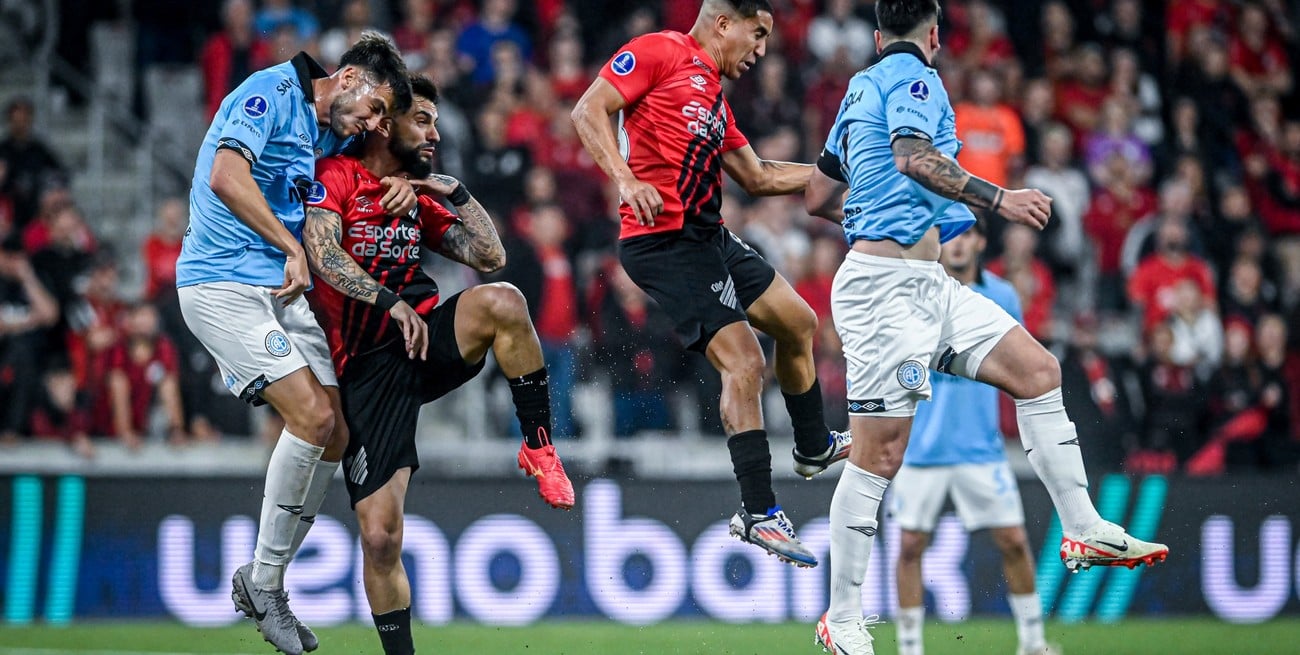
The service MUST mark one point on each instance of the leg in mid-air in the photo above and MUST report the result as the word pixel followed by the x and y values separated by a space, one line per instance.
pixel 495 316
pixel 387 587
pixel 783 315
pixel 1023 368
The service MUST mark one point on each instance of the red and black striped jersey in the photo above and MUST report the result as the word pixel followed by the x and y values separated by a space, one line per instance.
pixel 674 129
pixel 388 248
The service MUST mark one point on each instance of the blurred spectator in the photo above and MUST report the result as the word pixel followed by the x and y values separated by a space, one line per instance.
pixel 1115 209
pixel 1184 17
pixel 837 29
pixel 1114 137
pixel 1257 58
pixel 637 346
pixel 1185 138
pixel 413 32
pixel 63 261
pixel 497 165
pixel 8 219
pixel 495 23
pixel 1096 397
pixel 1173 402
pixel 569 78
pixel 94 322
pixel 771 103
pixel 163 246
pixel 1197 332
pixel 141 371
pixel 1129 28
pixel 1058 38
pixel 555 313
pixel 277 14
pixel 354 19
pixel 1037 112
pixel 59 413
pixel 1204 78
pixel 1067 186
pixel 1079 97
pixel 983 43
pixel 1245 297
pixel 992 136
pixel 31 165
pixel 1153 287
pixel 821 100
pixel 1141 93
pixel 1235 407
pixel 1278 396
pixel 26 310
pixel 231 55
pixel 1030 276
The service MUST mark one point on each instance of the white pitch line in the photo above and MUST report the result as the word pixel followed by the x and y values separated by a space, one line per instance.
pixel 65 651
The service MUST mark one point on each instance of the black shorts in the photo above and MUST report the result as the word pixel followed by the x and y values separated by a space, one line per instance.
pixel 704 278
pixel 382 393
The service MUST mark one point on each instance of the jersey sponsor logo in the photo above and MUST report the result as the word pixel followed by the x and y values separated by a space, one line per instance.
pixel 698 82
pixel 867 406
pixel 911 374
pixel 316 193
pixel 700 62
pixel 283 87
pixel 705 122
pixel 256 107
pixel 624 63
pixel 919 90
pixel 277 343
pixel 389 241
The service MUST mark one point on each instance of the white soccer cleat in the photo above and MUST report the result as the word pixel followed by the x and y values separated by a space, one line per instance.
pixel 1106 544
pixel 849 638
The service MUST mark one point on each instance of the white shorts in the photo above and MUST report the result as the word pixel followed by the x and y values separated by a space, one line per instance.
pixel 985 495
pixel 255 339
pixel 898 318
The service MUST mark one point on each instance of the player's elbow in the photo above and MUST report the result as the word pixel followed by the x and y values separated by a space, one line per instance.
pixel 492 263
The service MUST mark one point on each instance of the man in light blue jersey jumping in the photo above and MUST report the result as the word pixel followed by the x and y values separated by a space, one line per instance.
pixel 242 270
pixel 892 150
pixel 956 450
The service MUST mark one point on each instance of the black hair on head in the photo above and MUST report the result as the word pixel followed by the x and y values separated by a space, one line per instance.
pixel 899 18
pixel 424 87
pixel 379 58
pixel 749 8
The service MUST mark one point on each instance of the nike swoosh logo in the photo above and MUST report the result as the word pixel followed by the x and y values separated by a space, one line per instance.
pixel 259 613
pixel 292 509
pixel 1118 547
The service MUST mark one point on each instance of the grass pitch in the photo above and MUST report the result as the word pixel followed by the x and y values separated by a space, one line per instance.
pixel 1182 636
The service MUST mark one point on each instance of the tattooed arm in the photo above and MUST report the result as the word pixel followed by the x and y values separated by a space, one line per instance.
pixel 473 241
pixel 918 159
pixel 322 236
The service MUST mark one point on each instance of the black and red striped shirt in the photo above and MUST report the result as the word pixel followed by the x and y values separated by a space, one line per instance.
pixel 674 129
pixel 388 248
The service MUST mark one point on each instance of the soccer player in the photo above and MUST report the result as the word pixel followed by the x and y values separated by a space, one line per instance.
pixel 242 269
pixel 387 371
pixel 899 315
pixel 956 450
pixel 675 136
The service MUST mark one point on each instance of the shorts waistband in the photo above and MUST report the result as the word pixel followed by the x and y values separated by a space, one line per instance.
pixel 897 263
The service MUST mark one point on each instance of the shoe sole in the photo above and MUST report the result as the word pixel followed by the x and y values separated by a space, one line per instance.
pixel 529 473
pixel 780 556
pixel 820 466
pixel 1076 564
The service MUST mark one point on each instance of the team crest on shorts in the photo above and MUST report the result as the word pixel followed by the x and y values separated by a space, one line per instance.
pixel 277 344
pixel 911 374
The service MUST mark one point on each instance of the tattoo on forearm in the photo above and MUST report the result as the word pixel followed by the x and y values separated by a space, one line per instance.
pixel 322 237
pixel 921 161
pixel 474 240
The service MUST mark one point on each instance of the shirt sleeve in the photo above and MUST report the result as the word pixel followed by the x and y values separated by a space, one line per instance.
pixel 912 110
pixel 639 66
pixel 333 184
pixel 435 220
pixel 251 119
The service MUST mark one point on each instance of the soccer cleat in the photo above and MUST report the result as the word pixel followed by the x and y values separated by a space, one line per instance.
pixel 307 637
pixel 552 483
pixel 774 533
pixel 269 609
pixel 846 638
pixel 839 444
pixel 1106 544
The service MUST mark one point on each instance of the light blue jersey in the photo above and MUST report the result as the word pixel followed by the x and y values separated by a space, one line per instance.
pixel 271 121
pixel 900 96
pixel 960 423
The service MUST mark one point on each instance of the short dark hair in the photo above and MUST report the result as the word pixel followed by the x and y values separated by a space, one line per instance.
pixel 750 8
pixel 376 55
pixel 424 87
pixel 900 17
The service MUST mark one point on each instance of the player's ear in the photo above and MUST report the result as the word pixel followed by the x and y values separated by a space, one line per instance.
pixel 348 77
pixel 879 42
pixel 934 39
pixel 385 127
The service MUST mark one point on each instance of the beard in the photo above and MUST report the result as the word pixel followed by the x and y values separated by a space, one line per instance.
pixel 338 108
pixel 411 160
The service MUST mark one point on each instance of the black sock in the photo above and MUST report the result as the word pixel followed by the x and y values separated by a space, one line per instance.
pixel 395 632
pixel 809 419
pixel 532 398
pixel 753 465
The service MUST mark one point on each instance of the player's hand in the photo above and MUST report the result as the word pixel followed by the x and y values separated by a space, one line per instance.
pixel 297 277
pixel 436 185
pixel 643 198
pixel 1027 207
pixel 400 198
pixel 414 330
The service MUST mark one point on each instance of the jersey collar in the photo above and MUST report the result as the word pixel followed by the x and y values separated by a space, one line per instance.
pixel 307 70
pixel 904 47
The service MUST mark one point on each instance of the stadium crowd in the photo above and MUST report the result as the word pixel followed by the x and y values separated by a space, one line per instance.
pixel 1168 282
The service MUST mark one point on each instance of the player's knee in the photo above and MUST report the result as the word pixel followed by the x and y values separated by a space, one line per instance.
pixel 1046 375
pixel 1012 543
pixel 802 325
pixel 505 302
pixel 382 543
pixel 911 547
pixel 312 420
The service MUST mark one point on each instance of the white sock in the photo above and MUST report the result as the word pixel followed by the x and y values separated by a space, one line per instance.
pixel 288 475
pixel 853 530
pixel 320 485
pixel 910 622
pixel 1052 445
pixel 1028 610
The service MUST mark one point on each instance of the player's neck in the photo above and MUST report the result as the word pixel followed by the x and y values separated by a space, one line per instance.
pixel 323 92
pixel 701 34
pixel 380 162
pixel 922 44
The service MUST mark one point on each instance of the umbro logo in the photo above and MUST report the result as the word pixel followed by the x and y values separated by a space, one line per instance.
pixel 868 530
pixel 868 406
pixel 697 82
pixel 292 509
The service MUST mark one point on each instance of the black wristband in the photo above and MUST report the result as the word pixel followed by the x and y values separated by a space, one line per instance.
pixel 386 299
pixel 459 195
pixel 982 190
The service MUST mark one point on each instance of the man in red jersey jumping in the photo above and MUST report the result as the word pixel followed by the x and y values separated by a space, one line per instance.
pixel 674 138
pixel 395 348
